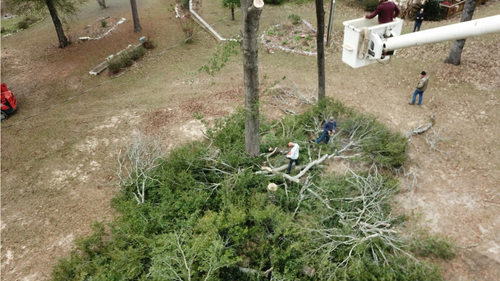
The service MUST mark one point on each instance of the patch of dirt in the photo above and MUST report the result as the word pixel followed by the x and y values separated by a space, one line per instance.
pixel 98 29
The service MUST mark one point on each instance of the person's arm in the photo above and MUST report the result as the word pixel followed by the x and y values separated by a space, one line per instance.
pixel 421 83
pixel 372 15
pixel 397 11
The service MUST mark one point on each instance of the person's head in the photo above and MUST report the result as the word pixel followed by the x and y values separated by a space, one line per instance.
pixel 423 73
pixel 422 10
pixel 332 119
pixel 290 144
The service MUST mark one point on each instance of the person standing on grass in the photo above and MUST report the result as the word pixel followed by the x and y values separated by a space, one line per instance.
pixel 293 155
pixel 386 12
pixel 418 20
pixel 421 87
pixel 329 128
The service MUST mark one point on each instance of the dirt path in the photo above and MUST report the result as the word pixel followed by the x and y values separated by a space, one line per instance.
pixel 58 166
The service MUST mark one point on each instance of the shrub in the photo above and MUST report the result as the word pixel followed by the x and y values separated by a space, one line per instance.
pixel 274 2
pixel 26 22
pixel 369 5
pixel 125 59
pixel 433 246
pixel 137 52
pixel 104 23
pixel 23 24
pixel 185 4
pixel 432 10
pixel 295 19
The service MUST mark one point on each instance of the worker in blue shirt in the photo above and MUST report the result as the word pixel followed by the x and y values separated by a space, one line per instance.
pixel 329 128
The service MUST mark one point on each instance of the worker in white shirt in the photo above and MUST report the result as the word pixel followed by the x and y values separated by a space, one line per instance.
pixel 293 155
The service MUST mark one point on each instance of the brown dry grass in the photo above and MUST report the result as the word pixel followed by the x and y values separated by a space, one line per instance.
pixel 58 166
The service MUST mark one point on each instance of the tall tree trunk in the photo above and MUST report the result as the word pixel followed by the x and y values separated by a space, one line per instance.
pixel 135 16
pixel 251 17
pixel 63 40
pixel 458 46
pixel 320 43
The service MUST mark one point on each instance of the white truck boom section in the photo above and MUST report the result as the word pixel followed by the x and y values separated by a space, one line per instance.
pixel 366 41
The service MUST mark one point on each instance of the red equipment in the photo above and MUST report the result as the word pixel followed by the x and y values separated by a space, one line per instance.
pixel 9 102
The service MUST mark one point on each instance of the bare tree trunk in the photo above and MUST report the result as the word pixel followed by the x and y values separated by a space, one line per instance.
pixel 458 46
pixel 232 13
pixel 63 40
pixel 320 43
pixel 251 17
pixel 135 16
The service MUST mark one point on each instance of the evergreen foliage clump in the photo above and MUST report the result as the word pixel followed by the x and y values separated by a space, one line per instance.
pixel 207 213
pixel 432 10
pixel 125 59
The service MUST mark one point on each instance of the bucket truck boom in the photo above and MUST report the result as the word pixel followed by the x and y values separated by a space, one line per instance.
pixel 366 41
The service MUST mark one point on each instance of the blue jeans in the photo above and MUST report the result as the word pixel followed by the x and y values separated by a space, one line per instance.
pixel 290 164
pixel 417 26
pixel 324 136
pixel 420 94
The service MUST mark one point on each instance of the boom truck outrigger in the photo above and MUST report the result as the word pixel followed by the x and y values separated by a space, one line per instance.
pixel 367 42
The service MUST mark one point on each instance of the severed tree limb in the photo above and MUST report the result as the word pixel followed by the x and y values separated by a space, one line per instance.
pixel 419 130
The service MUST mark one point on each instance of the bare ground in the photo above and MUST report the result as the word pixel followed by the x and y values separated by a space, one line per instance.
pixel 59 151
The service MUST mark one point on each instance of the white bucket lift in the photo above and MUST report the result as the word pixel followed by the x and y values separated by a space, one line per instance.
pixel 366 41
pixel 360 51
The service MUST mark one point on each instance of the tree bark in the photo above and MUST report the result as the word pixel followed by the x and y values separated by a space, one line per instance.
pixel 135 16
pixel 320 43
pixel 63 40
pixel 232 13
pixel 458 46
pixel 251 17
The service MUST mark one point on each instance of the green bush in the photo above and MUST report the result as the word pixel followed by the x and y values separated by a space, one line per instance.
pixel 26 22
pixel 370 5
pixel 432 10
pixel 433 246
pixel 185 4
pixel 208 214
pixel 274 2
pixel 295 19
pixel 137 53
pixel 104 23
pixel 125 59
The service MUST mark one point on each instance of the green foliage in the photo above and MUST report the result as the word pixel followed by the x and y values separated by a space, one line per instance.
pixel 430 246
pixel 104 23
pixel 220 57
pixel 209 216
pixel 284 42
pixel 125 59
pixel 137 53
pixel 26 22
pixel 185 4
pixel 63 7
pixel 231 3
pixel 274 2
pixel 432 10
pixel 369 5
pixel 295 19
